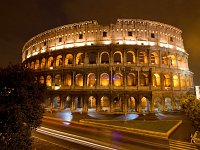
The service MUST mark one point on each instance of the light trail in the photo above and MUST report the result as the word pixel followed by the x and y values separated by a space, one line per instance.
pixel 74 138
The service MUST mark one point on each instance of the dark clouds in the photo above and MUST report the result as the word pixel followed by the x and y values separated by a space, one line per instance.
pixel 22 19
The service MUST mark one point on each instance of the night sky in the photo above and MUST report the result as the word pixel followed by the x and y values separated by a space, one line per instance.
pixel 23 19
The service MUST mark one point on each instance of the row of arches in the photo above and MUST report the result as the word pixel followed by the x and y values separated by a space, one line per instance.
pixel 105 58
pixel 104 104
pixel 118 79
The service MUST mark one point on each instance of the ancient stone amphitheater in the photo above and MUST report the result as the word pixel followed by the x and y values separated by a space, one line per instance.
pixel 133 65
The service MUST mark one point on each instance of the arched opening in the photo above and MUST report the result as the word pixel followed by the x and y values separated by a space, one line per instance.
pixel 104 58
pixel 78 104
pixel 79 80
pixel 68 80
pixel 157 105
pixel 42 79
pixel 48 81
pixel 131 79
pixel 130 57
pixel 37 64
pixel 117 104
pixel 144 79
pixel 154 58
pixel 179 61
pixel 43 63
pixel 185 62
pixel 58 61
pixel 175 81
pixel 131 104
pixel 50 62
pixel 67 104
pixel 168 104
pixel 177 104
pixel 156 80
pixel 56 102
pixel 92 57
pixel 117 57
pixel 145 105
pixel 32 65
pixel 143 58
pixel 182 81
pixel 91 80
pixel 79 59
pixel 104 80
pixel 92 104
pixel 173 60
pixel 167 80
pixel 117 79
pixel 69 59
pixel 164 58
pixel 57 80
pixel 105 104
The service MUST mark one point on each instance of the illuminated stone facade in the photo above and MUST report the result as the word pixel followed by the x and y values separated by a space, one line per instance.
pixel 131 66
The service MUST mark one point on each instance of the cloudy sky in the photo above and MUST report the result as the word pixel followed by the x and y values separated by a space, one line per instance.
pixel 22 19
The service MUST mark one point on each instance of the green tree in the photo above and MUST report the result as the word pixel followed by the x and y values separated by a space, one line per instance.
pixel 21 110
pixel 191 106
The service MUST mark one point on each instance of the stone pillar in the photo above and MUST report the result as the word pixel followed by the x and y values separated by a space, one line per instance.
pixel 85 103
pixel 111 103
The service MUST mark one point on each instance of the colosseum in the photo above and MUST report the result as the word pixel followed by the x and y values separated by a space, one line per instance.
pixel 131 66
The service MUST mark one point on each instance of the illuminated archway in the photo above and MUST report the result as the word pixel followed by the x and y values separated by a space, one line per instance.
pixel 92 104
pixel 69 59
pixel 79 80
pixel 156 80
pixel 182 81
pixel 57 80
pixel 154 58
pixel 157 105
pixel 117 104
pixel 68 80
pixel 130 57
pixel 131 104
pixel 48 81
pixel 79 59
pixel 56 102
pixel 104 58
pixel 50 62
pixel 173 60
pixel 144 103
pixel 37 64
pixel 167 80
pixel 42 79
pixel 117 79
pixel 32 65
pixel 143 58
pixel 105 104
pixel 58 61
pixel 144 79
pixel 175 81
pixel 104 79
pixel 43 63
pixel 180 61
pixel 168 104
pixel 131 79
pixel 91 80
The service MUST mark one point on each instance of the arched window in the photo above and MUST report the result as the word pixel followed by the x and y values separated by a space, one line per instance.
pixel 117 57
pixel 92 57
pixel 167 80
pixel 104 79
pixel 32 65
pixel 131 79
pixel 37 64
pixel 50 62
pixel 185 63
pixel 79 59
pixel 179 61
pixel 164 58
pixel 42 79
pixel 143 58
pixel 57 80
pixel 68 80
pixel 69 59
pixel 130 57
pixel 58 61
pixel 173 60
pixel 43 63
pixel 117 79
pixel 175 81
pixel 144 79
pixel 48 80
pixel 79 80
pixel 182 81
pixel 91 80
pixel 154 58
pixel 156 80
pixel 104 58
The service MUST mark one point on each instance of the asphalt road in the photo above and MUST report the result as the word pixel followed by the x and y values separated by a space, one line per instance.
pixel 105 137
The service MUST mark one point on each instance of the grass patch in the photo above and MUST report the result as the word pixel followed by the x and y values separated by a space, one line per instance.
pixel 157 126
